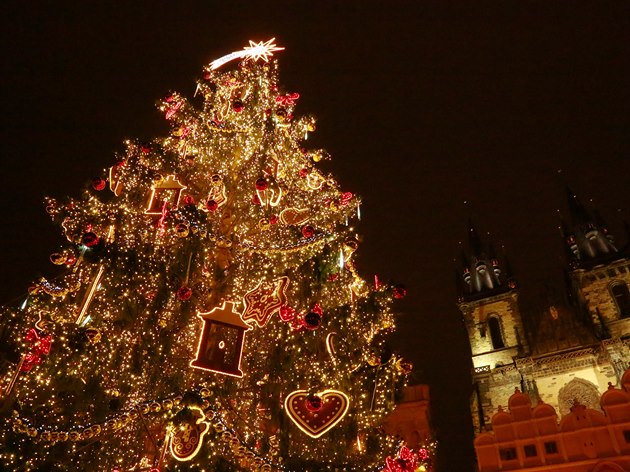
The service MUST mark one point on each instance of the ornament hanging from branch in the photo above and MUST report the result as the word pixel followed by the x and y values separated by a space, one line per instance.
pixel 221 342
pixel 265 300
pixel 165 193
pixel 268 191
pixel 406 461
pixel 316 414
pixel 115 185
pixel 216 197
pixel 187 436
pixel 294 216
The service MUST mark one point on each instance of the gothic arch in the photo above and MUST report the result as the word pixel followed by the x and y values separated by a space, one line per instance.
pixel 496 333
pixel 607 466
pixel 621 296
pixel 581 390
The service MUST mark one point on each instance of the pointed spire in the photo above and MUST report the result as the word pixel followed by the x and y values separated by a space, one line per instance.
pixel 473 238
pixel 482 270
pixel 578 213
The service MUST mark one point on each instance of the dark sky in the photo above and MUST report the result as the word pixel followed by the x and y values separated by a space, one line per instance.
pixel 423 105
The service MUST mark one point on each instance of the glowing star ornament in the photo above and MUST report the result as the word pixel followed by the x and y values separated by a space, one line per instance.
pixel 165 193
pixel 221 342
pixel 186 438
pixel 316 422
pixel 265 300
pixel 261 50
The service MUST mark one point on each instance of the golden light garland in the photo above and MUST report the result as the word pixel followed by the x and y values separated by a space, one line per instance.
pixel 245 204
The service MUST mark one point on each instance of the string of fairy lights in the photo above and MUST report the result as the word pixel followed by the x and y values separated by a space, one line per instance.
pixel 209 306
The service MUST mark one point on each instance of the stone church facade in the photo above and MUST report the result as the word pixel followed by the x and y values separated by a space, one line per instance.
pixel 569 347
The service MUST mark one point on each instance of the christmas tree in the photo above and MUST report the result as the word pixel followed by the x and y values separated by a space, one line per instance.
pixel 208 314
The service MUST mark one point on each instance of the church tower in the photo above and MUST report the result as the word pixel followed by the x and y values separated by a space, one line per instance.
pixel 488 300
pixel 599 272
pixel 566 348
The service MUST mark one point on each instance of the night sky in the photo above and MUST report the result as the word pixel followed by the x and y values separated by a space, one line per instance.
pixel 423 105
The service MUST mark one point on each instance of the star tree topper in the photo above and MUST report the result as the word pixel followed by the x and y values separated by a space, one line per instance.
pixel 261 50
pixel 263 301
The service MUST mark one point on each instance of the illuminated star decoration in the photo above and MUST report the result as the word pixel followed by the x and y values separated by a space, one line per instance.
pixel 265 300
pixel 262 50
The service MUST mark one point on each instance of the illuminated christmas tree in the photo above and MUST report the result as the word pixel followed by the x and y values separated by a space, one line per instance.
pixel 208 314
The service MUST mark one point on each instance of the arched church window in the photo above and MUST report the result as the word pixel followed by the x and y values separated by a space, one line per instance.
pixel 495 333
pixel 621 295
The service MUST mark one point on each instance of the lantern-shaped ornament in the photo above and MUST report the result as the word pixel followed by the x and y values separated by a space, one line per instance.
pixel 164 192
pixel 221 341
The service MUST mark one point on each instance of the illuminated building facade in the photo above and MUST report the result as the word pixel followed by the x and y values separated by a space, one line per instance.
pixel 567 348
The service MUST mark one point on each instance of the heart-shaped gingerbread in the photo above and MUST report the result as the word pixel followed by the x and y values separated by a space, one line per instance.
pixel 334 406
pixel 294 216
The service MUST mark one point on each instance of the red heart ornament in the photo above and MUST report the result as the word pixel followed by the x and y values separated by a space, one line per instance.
pixel 335 405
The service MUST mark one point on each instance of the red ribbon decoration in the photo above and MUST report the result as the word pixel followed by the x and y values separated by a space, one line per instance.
pixel 405 462
pixel 40 346
pixel 172 110
pixel 345 198
pixel 288 99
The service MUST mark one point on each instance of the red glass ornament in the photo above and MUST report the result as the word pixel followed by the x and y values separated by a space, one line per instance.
pixel 308 231
pixel 400 291
pixel 71 260
pixel 237 106
pixel 312 320
pixel 184 293
pixel 207 76
pixel 188 200
pixel 256 200
pixel 273 220
pixel 261 184
pixel 313 403
pixel 287 313
pixel 89 239
pixel 303 173
pixel 345 198
pixel 99 184
pixel 212 205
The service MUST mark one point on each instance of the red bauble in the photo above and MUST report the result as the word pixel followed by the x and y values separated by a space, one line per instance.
pixel 207 76
pixel 313 403
pixel 273 220
pixel 237 106
pixel 99 184
pixel 287 313
pixel 188 200
pixel 400 291
pixel 89 239
pixel 308 231
pixel 184 293
pixel 312 320
pixel 255 200
pixel 303 173
pixel 71 260
pixel 261 184
pixel 212 205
